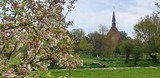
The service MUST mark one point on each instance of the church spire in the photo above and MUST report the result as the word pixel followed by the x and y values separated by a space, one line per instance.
pixel 113 20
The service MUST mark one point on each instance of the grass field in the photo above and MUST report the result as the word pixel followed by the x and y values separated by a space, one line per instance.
pixel 115 62
pixel 112 62
pixel 115 68
pixel 111 73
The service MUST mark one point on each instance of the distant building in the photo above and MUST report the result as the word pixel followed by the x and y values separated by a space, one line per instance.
pixel 113 32
pixel 113 38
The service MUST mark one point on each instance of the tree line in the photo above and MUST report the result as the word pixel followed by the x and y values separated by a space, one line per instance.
pixel 146 41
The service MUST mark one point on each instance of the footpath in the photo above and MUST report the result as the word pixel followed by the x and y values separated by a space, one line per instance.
pixel 114 68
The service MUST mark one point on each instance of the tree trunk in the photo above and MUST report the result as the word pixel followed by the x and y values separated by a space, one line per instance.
pixel 70 72
pixel 135 60
pixel 127 57
pixel 154 58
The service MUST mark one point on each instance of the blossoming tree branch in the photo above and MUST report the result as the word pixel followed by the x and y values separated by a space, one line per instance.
pixel 33 32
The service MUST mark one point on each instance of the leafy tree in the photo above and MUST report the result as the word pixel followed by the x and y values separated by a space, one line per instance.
pixel 137 50
pixel 148 29
pixel 126 46
pixel 85 46
pixel 98 42
pixel 117 52
pixel 157 4
pixel 35 32
pixel 76 48
pixel 103 30
pixel 95 40
pixel 124 35
pixel 77 34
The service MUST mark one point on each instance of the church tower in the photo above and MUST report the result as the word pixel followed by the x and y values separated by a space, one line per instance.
pixel 113 20
pixel 112 38
pixel 114 31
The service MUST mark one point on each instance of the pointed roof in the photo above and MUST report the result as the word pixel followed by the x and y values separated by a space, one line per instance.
pixel 113 20
pixel 113 30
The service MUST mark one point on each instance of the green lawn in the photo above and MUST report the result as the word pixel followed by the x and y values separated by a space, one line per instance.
pixel 116 62
pixel 123 70
pixel 111 73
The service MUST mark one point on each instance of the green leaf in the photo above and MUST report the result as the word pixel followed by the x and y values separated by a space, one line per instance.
pixel 30 36
pixel 23 4
pixel 2 4
pixel 1 26
pixel 23 49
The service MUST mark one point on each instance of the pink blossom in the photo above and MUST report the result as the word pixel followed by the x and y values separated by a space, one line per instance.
pixel 23 19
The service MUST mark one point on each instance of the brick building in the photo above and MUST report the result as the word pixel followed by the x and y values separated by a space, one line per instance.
pixel 113 38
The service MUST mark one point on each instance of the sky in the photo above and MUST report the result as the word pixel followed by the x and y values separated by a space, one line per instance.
pixel 90 14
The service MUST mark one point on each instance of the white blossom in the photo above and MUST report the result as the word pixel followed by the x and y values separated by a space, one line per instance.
pixel 18 55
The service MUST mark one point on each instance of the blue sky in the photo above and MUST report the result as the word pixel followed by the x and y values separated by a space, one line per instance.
pixel 89 14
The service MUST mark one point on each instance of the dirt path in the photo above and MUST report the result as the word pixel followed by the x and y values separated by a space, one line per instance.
pixel 115 68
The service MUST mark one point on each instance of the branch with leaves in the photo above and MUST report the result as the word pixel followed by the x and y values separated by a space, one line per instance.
pixel 34 31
